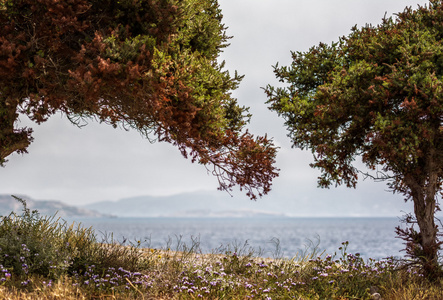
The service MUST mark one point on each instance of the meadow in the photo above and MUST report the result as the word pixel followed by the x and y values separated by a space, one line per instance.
pixel 44 257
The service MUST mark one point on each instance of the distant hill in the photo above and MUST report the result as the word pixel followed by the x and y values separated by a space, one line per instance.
pixel 219 204
pixel 46 207
pixel 197 204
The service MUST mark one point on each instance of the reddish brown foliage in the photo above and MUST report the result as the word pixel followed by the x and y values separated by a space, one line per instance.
pixel 149 65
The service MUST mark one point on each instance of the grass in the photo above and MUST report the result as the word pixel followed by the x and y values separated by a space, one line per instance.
pixel 45 258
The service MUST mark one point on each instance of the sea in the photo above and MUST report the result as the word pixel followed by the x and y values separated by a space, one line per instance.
pixel 274 237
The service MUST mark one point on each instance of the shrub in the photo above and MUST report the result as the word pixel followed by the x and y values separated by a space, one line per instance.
pixel 46 246
pixel 33 244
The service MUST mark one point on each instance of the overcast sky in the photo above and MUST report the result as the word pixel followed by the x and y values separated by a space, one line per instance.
pixel 97 162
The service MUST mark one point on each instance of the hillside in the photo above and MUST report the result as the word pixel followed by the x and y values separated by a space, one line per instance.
pixel 45 207
pixel 197 204
pixel 217 204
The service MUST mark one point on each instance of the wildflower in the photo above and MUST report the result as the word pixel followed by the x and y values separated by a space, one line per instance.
pixel 25 283
pixel 314 278
pixel 323 274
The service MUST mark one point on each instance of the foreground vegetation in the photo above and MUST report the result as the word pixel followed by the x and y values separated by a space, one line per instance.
pixel 44 258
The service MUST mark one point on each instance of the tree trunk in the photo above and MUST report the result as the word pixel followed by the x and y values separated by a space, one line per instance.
pixel 424 209
pixel 11 140
pixel 424 193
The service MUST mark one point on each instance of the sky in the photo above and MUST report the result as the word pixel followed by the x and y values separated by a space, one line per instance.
pixel 98 162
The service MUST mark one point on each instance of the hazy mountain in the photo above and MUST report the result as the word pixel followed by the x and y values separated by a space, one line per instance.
pixel 44 207
pixel 197 204
pixel 320 203
pixel 220 204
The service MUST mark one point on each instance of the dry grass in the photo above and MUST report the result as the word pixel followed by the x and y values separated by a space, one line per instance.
pixel 239 277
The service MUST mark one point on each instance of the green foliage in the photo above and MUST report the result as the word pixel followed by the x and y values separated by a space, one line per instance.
pixel 375 94
pixel 202 20
pixel 129 49
pixel 32 244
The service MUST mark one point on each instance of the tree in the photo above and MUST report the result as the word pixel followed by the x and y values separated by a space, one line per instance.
pixel 150 65
pixel 375 94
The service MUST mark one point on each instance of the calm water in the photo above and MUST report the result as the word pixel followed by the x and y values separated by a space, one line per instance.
pixel 371 237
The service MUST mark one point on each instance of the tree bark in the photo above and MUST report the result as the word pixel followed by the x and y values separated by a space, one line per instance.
pixel 428 234
pixel 424 192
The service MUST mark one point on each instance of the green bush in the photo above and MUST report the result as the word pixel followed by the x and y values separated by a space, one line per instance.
pixel 31 244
